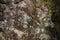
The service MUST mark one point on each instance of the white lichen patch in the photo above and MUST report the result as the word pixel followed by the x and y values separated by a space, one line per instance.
pixel 22 4
pixel 25 26
pixel 46 24
pixel 38 30
pixel 19 33
pixel 44 37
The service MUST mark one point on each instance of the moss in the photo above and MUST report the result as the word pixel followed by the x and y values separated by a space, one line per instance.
pixel 1 25
pixel 47 3
pixel 1 8
pixel 8 1
pixel 34 1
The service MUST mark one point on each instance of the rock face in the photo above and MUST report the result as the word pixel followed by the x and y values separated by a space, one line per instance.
pixel 24 21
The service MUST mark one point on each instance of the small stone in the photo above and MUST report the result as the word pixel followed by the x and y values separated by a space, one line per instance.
pixel 25 26
pixel 46 24
pixel 42 30
pixel 5 21
pixel 11 14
